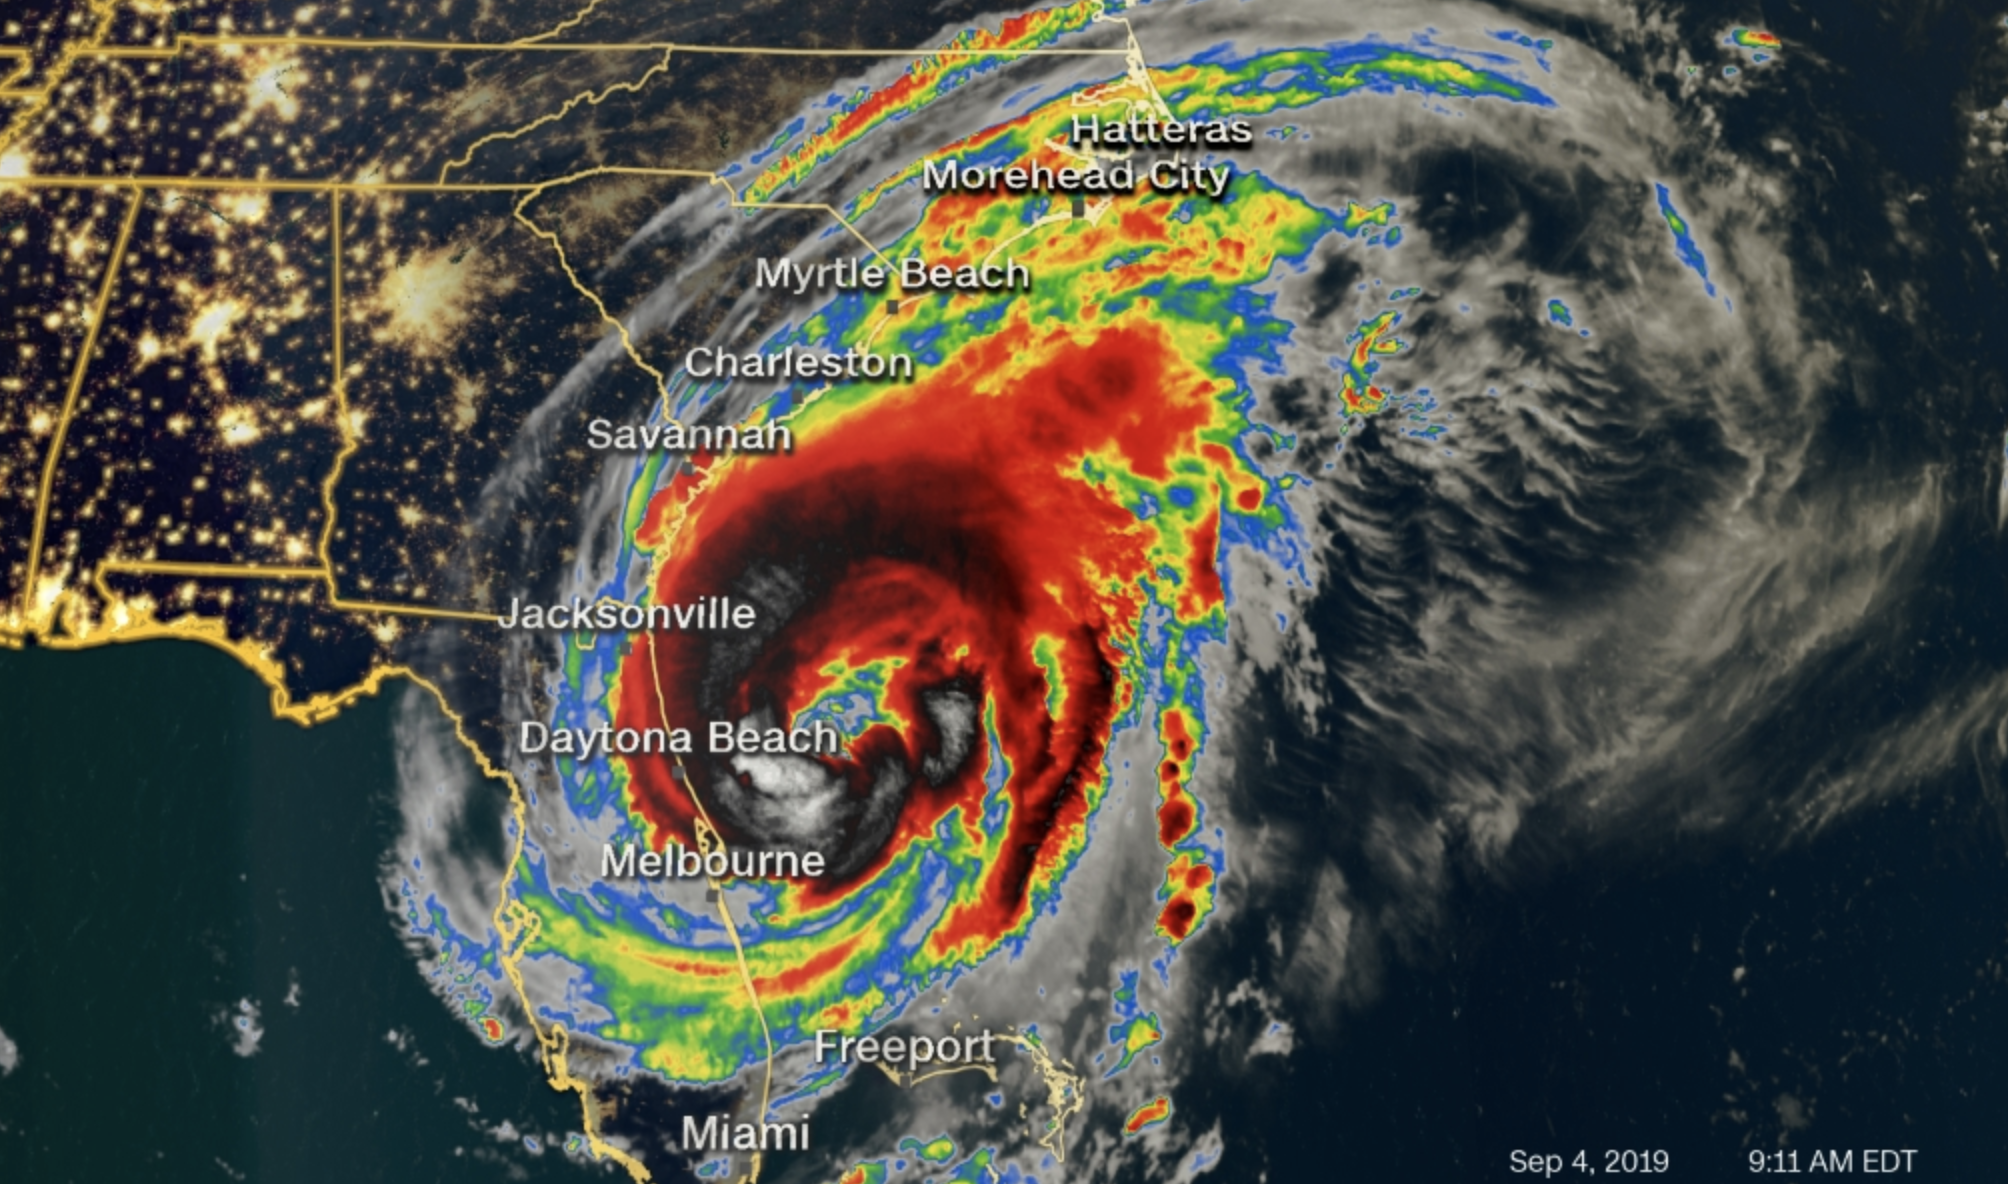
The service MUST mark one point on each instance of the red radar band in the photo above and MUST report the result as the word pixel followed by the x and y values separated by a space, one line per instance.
pixel 957 532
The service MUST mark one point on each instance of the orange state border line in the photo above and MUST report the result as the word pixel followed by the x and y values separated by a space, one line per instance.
pixel 514 923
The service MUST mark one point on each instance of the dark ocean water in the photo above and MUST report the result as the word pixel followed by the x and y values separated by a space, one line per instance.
pixel 1601 1009
pixel 168 849
pixel 1703 992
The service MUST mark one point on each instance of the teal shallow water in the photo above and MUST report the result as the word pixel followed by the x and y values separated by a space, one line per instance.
pixel 169 850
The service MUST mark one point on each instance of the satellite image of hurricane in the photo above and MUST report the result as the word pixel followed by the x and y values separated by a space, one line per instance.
pixel 1269 590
